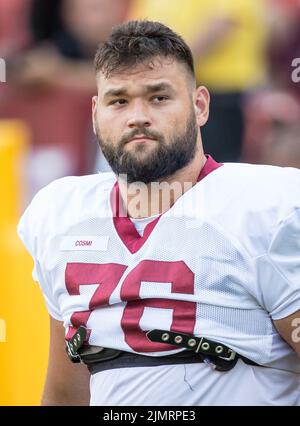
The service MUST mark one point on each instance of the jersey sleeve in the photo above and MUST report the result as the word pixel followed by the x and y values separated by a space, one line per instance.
pixel 279 269
pixel 29 230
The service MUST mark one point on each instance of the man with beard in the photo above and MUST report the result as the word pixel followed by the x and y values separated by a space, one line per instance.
pixel 175 279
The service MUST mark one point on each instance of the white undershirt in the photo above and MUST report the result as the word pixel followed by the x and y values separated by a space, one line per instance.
pixel 140 224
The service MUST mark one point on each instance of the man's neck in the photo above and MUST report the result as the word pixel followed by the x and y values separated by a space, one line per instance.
pixel 144 200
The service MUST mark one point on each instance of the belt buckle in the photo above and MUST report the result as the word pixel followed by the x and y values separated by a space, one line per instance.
pixel 75 343
pixel 229 358
pixel 74 357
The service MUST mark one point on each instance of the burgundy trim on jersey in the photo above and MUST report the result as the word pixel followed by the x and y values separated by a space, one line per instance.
pixel 124 226
pixel 209 167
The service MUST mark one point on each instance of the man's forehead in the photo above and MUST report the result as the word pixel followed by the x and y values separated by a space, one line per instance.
pixel 152 71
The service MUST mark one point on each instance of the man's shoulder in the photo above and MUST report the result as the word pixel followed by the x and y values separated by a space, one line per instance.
pixel 249 202
pixel 71 189
pixel 255 181
pixel 66 200
pixel 70 184
pixel 251 192
pixel 261 172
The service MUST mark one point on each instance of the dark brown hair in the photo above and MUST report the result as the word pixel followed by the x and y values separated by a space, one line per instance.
pixel 135 42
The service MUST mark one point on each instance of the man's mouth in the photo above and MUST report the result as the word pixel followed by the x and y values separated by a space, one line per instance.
pixel 140 138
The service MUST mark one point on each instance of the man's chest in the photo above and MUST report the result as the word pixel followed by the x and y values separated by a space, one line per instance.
pixel 183 260
pixel 186 275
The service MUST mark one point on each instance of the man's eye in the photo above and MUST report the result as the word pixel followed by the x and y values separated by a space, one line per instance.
pixel 118 102
pixel 159 99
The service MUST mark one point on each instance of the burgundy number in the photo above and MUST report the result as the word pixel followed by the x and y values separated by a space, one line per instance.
pixel 108 276
pixel 184 313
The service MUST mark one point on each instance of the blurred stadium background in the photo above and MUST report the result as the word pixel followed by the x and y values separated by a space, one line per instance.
pixel 244 51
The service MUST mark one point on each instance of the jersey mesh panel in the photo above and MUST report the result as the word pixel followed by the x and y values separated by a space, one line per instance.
pixel 226 311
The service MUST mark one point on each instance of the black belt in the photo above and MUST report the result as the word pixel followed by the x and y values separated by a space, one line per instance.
pixel 197 349
pixel 129 360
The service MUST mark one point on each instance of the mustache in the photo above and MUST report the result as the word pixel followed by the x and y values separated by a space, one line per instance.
pixel 140 131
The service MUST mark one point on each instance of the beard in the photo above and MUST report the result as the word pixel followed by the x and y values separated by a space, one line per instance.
pixel 163 160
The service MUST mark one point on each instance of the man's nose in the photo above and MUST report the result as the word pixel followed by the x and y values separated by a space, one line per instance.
pixel 138 116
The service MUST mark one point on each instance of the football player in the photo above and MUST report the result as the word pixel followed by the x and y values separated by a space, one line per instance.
pixel 173 280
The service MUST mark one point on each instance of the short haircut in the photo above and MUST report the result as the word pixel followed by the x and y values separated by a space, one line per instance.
pixel 135 42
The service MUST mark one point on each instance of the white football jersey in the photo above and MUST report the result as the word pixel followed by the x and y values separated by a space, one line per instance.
pixel 221 263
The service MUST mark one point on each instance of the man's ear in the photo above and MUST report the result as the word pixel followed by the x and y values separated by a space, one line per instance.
pixel 201 105
pixel 94 112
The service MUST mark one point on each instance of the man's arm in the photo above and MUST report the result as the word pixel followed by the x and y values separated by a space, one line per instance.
pixel 289 330
pixel 66 383
pixel 218 29
pixel 279 271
